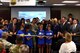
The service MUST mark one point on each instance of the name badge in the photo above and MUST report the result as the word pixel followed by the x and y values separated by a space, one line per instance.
pixel 40 33
pixel 49 34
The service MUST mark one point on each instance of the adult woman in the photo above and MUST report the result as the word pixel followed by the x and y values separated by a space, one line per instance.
pixel 69 46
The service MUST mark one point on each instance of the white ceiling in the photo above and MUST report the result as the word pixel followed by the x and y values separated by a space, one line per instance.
pixel 48 2
pixel 5 0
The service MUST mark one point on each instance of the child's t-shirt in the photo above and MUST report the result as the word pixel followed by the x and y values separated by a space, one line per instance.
pixel 41 33
pixel 49 34
pixel 30 41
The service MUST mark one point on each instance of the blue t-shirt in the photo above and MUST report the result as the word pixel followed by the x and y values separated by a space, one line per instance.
pixel 49 33
pixel 20 32
pixel 41 33
pixel 29 42
pixel 5 30
pixel 1 31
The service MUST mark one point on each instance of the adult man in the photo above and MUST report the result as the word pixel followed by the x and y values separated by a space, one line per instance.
pixel 75 30
pixel 5 42
pixel 19 47
pixel 64 26
pixel 13 27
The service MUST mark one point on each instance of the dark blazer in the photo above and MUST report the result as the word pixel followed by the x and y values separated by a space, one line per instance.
pixel 10 27
pixel 64 28
pixel 76 30
pixel 55 28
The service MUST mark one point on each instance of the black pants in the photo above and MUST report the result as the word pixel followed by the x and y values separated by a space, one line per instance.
pixel 12 39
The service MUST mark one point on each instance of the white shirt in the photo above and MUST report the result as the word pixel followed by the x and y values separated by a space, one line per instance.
pixel 19 49
pixel 6 43
pixel 75 25
pixel 68 47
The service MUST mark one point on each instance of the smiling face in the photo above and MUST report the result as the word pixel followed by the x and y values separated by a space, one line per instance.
pixel 14 20
pixel 41 27
pixel 49 28
pixel 63 19
pixel 70 20
pixel 74 21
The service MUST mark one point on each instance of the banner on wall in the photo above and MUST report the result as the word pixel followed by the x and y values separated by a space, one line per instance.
pixel 23 3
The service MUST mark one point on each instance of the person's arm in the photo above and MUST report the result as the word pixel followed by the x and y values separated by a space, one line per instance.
pixel 27 49
pixel 78 33
pixel 11 49
pixel 7 44
pixel 24 49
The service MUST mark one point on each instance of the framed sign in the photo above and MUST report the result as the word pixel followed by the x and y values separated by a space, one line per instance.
pixel 23 3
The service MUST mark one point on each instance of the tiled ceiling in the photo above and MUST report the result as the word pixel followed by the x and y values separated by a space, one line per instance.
pixel 49 2
pixel 59 1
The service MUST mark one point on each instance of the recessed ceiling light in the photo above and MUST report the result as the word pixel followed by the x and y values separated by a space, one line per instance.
pixel 58 4
pixel 44 1
pixel 70 1
pixel 77 4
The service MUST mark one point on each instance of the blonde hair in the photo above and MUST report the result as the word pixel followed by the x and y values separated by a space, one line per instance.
pixel 68 37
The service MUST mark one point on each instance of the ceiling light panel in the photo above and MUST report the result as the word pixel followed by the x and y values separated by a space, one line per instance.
pixel 77 4
pixel 70 1
pixel 58 4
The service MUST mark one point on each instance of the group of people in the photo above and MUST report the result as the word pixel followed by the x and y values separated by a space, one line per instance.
pixel 7 47
pixel 21 34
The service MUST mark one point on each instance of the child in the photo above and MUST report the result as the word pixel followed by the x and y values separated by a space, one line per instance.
pixel 29 40
pixel 5 28
pixel 41 39
pixel 21 31
pixel 49 34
